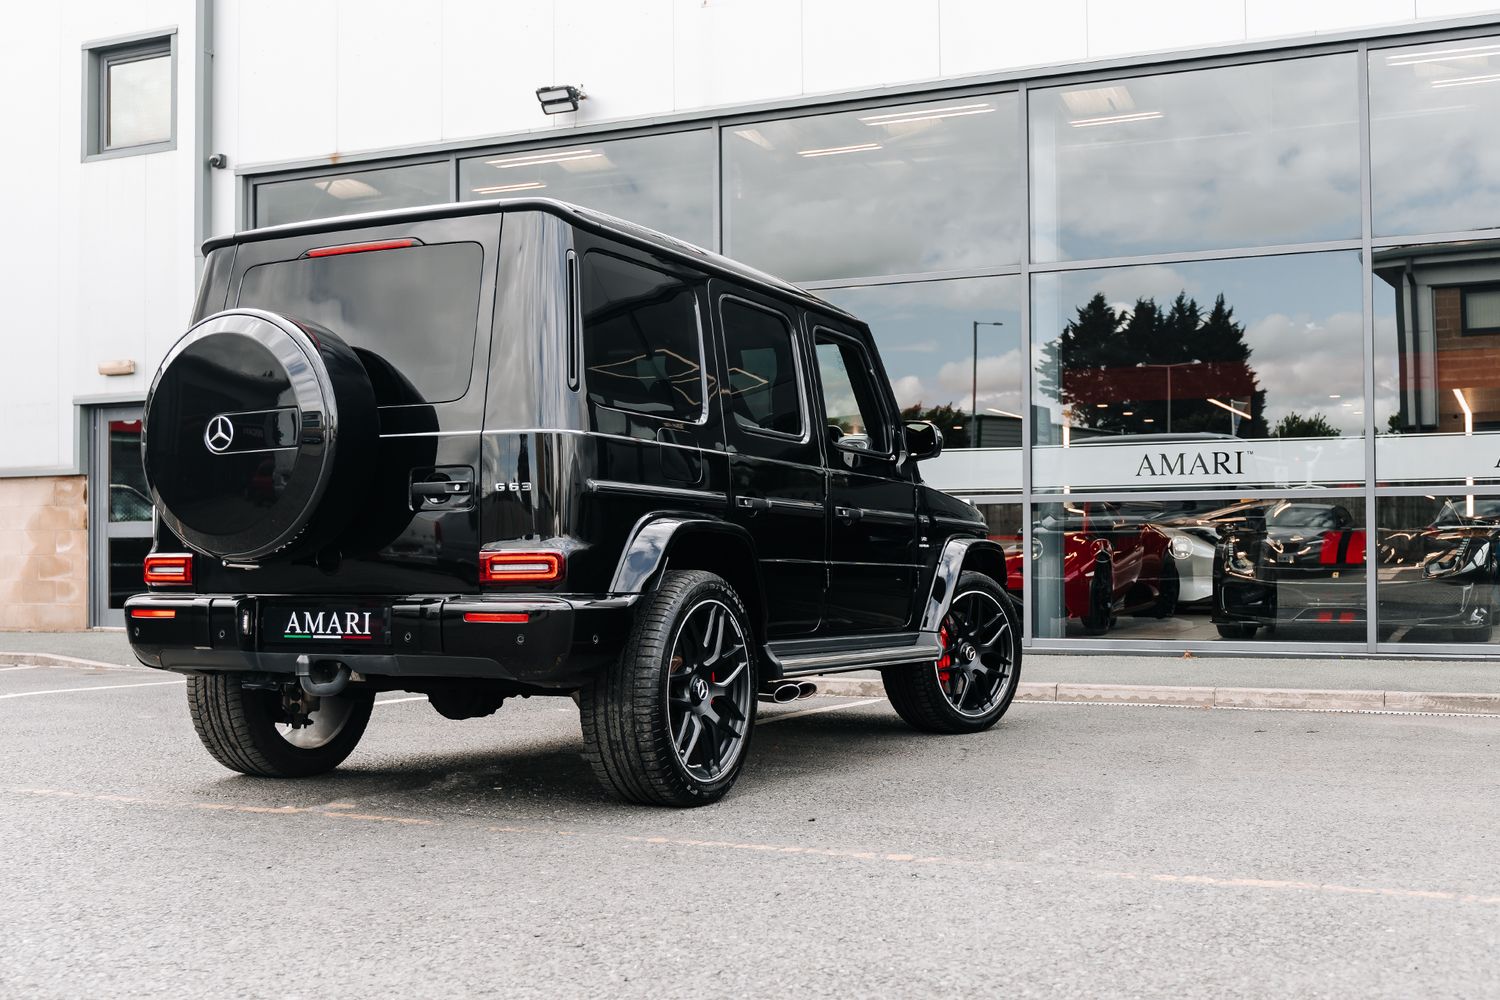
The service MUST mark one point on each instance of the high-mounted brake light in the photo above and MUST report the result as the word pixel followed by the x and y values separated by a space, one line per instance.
pixel 496 617
pixel 169 569
pixel 520 567
pixel 153 613
pixel 344 248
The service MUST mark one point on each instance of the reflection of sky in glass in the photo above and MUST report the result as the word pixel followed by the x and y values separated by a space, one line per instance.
pixel 1302 316
pixel 351 193
pixel 664 182
pixel 1434 148
pixel 1238 156
pixel 893 190
pixel 924 330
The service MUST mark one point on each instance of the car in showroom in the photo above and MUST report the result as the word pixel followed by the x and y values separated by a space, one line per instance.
pixel 519 448
pixel 1112 561
pixel 1443 581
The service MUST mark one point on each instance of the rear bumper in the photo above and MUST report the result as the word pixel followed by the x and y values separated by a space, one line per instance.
pixel 562 641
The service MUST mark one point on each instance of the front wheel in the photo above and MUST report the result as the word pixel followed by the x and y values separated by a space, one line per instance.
pixel 248 729
pixel 669 722
pixel 973 682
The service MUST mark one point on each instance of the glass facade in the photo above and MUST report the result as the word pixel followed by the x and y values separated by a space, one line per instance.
pixel 1207 340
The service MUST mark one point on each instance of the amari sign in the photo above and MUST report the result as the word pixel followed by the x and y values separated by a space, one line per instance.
pixel 1100 463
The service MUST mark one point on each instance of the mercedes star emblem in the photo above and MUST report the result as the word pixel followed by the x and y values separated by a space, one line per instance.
pixel 219 434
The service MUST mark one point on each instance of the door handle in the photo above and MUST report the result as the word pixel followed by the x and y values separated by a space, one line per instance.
pixel 440 489
pixel 754 504
pixel 849 514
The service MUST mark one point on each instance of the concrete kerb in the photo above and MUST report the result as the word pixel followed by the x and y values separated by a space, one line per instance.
pixel 57 660
pixel 1215 697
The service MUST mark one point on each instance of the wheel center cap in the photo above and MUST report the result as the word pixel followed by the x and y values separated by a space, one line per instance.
pixel 968 652
pixel 698 689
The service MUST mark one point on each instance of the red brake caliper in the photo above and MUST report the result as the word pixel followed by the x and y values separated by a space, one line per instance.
pixel 945 660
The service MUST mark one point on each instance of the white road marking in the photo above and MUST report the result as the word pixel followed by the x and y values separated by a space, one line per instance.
pixel 815 711
pixel 102 687
pixel 397 701
pixel 6 670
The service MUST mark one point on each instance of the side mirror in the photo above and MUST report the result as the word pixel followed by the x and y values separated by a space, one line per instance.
pixel 923 440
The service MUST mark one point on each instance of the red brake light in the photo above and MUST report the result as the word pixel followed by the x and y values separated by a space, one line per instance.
pixel 497 617
pixel 520 567
pixel 153 613
pixel 343 248
pixel 171 569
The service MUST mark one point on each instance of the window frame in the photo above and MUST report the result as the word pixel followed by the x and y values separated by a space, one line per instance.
pixel 1464 329
pixel 98 57
pixel 696 287
pixel 839 337
pixel 789 322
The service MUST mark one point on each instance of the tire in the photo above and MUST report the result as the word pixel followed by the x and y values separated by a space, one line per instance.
pixel 637 714
pixel 1168 590
pixel 238 726
pixel 1236 630
pixel 259 435
pixel 1099 615
pixel 924 694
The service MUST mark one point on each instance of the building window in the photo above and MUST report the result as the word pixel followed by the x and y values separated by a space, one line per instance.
pixel 328 195
pixel 130 104
pixel 1481 310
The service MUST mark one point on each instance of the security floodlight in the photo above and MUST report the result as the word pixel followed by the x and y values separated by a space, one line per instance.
pixel 558 99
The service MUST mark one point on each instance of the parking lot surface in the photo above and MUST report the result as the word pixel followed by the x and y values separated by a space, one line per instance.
pixel 1075 850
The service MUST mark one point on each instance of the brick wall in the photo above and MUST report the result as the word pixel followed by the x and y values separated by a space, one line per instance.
pixel 44 566
pixel 1468 363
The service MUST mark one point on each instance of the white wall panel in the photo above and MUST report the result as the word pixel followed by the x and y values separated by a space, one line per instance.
pixel 288 94
pixel 736 51
pixel 1270 18
pixel 495 56
pixel 620 53
pixel 390 73
pixel 1120 27
pixel 1455 8
pixel 847 44
pixel 980 35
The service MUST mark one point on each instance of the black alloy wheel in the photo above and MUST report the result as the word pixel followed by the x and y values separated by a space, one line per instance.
pixel 669 722
pixel 248 729
pixel 971 684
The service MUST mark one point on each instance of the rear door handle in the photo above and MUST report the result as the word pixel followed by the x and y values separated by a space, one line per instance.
pixel 441 489
pixel 754 504
pixel 850 514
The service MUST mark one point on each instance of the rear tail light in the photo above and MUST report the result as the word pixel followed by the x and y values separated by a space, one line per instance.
pixel 153 613
pixel 520 567
pixel 496 617
pixel 171 569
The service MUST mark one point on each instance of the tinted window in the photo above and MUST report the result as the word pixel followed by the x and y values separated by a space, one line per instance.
pixel 762 391
pixel 358 191
pixel 641 346
pixel 410 313
pixel 850 404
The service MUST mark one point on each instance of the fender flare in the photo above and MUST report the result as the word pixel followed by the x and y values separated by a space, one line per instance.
pixel 950 564
pixel 651 542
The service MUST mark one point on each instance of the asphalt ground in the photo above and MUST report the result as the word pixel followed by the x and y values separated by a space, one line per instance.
pixel 1073 851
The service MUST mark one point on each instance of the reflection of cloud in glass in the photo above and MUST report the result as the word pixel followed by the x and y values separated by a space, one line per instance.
pixel 1236 156
pixel 874 192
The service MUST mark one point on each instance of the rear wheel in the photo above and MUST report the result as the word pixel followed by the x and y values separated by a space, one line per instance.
pixel 1099 615
pixel 1236 630
pixel 669 722
pixel 249 730
pixel 971 685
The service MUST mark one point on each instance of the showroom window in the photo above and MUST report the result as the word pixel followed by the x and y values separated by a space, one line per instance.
pixel 1240 156
pixel 662 181
pixel 1434 150
pixel 130 97
pixel 352 192
pixel 884 190
pixel 1439 568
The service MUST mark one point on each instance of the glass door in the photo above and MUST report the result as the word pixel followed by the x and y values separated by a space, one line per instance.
pixel 119 512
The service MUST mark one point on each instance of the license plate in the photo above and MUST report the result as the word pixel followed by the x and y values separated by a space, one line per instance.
pixel 330 624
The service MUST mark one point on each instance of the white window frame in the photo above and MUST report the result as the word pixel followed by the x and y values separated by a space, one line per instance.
pixel 98 56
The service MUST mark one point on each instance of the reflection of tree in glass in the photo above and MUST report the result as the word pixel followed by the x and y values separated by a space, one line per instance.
pixel 1294 425
pixel 953 422
pixel 1149 371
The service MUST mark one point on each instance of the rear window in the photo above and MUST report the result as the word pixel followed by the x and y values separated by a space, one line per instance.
pixel 410 313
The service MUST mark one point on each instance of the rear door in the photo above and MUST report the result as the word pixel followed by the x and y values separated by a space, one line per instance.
pixel 872 514
pixel 415 302
pixel 778 486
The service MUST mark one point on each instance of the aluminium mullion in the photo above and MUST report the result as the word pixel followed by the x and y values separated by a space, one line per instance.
pixel 1195 256
pixel 1028 572
pixel 911 277
pixel 1367 293
pixel 717 131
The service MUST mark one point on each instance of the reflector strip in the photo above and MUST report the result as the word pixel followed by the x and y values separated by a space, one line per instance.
pixel 344 248
pixel 497 617
pixel 153 613
pixel 520 567
pixel 168 569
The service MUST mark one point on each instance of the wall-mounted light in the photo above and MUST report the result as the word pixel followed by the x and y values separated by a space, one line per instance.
pixel 559 99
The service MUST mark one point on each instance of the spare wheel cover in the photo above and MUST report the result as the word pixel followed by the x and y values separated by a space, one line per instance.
pixel 250 419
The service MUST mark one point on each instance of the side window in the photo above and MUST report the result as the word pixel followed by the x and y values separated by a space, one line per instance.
pixel 761 391
pixel 641 346
pixel 852 406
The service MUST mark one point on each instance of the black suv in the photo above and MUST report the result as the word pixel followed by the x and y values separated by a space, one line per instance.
pixel 520 448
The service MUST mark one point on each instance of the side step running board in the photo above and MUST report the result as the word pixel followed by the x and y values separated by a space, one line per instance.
pixel 857 659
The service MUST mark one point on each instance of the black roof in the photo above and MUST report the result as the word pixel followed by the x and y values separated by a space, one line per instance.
pixel 577 215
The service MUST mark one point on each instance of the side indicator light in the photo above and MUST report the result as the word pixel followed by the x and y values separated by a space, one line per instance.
pixel 520 567
pixel 344 248
pixel 496 617
pixel 169 569
pixel 153 613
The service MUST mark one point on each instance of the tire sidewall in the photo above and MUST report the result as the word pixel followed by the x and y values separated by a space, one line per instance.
pixel 968 583
pixel 293 761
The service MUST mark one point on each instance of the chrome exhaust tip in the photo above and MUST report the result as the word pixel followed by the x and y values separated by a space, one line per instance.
pixel 806 689
pixel 781 692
